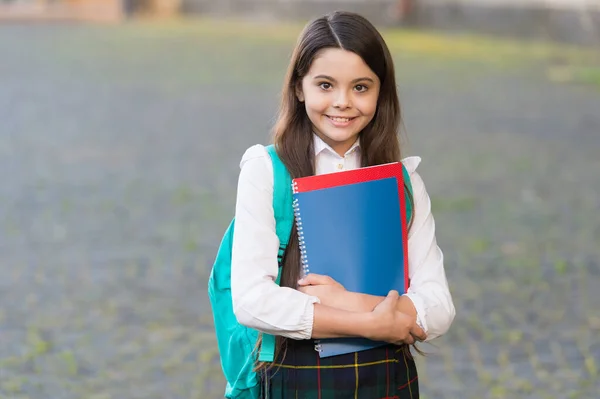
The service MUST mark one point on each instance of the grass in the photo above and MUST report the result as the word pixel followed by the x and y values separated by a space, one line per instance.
pixel 580 75
pixel 221 43
pixel 582 63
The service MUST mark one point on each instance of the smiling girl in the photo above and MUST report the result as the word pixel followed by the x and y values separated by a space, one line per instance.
pixel 339 111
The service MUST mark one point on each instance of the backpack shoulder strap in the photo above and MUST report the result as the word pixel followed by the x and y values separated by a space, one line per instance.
pixel 284 219
pixel 282 200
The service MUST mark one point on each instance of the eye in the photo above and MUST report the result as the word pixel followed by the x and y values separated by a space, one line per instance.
pixel 361 88
pixel 325 85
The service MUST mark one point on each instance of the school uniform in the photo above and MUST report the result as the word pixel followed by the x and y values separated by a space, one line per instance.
pixel 386 372
pixel 259 303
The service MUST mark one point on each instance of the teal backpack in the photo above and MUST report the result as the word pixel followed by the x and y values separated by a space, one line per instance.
pixel 236 342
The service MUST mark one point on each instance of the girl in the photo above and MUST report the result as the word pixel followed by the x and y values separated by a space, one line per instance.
pixel 339 110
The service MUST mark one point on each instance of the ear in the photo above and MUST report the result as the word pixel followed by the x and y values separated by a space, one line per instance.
pixel 299 92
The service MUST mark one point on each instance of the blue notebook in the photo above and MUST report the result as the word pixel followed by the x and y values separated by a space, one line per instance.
pixel 353 233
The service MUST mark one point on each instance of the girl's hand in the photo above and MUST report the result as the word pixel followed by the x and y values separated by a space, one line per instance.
pixel 323 287
pixel 319 279
pixel 392 326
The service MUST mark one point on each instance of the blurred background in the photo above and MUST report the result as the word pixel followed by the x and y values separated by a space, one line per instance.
pixel 122 124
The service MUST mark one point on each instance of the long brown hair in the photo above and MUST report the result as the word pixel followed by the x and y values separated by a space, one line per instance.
pixel 293 133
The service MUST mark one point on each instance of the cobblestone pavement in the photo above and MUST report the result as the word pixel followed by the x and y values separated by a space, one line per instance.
pixel 119 151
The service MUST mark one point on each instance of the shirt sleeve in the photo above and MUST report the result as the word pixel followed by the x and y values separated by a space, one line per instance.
pixel 428 284
pixel 258 302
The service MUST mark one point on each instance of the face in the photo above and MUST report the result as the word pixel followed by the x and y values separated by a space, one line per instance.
pixel 340 96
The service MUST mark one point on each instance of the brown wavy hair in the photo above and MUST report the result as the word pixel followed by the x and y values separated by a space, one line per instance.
pixel 293 132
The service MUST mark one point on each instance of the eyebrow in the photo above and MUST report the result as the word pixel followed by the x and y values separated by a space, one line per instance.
pixel 354 81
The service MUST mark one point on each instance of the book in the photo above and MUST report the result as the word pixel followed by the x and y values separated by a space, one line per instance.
pixel 352 227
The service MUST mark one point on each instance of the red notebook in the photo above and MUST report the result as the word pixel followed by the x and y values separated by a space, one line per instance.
pixel 361 175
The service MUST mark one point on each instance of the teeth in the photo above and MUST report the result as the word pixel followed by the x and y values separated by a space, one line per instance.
pixel 339 119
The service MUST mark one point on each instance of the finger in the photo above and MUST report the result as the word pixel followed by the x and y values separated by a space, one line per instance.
pixel 418 332
pixel 315 279
pixel 392 295
pixel 419 338
pixel 409 340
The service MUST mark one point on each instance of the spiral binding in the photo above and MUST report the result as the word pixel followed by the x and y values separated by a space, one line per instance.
pixel 318 346
pixel 303 255
pixel 298 218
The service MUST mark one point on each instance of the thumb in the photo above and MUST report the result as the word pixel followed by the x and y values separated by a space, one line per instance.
pixel 389 302
pixel 392 295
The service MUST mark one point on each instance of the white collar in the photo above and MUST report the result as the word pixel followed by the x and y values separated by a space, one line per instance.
pixel 320 146
pixel 411 163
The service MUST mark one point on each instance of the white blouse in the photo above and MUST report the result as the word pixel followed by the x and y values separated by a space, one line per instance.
pixel 261 304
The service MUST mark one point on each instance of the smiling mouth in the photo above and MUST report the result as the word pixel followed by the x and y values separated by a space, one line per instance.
pixel 340 119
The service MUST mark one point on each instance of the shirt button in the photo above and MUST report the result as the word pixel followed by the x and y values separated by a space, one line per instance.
pixel 340 166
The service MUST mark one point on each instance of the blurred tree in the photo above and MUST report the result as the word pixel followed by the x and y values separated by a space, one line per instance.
pixel 404 10
pixel 157 7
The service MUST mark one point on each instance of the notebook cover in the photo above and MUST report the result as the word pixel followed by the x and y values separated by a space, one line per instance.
pixel 341 178
pixel 365 221
pixel 368 173
pixel 341 346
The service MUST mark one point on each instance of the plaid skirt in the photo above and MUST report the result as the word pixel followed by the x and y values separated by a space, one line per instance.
pixel 381 373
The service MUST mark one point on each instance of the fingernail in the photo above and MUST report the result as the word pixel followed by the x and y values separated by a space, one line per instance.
pixel 301 281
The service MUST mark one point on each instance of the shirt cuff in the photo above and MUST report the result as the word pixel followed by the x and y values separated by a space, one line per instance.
pixel 307 322
pixel 421 309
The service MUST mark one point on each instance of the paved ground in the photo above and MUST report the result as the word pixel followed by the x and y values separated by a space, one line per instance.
pixel 119 151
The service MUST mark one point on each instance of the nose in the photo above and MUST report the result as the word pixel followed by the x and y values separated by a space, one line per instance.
pixel 342 101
